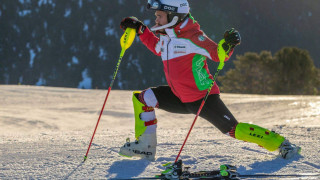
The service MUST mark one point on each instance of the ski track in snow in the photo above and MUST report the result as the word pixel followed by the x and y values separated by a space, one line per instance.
pixel 45 132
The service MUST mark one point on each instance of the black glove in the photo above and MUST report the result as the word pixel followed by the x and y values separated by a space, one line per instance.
pixel 232 38
pixel 132 22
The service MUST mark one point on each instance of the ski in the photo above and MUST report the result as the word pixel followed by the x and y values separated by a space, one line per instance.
pixel 240 176
pixel 213 175
pixel 186 175
pixel 176 171
pixel 306 175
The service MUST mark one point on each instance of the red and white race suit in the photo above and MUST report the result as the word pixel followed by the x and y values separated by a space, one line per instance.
pixel 184 50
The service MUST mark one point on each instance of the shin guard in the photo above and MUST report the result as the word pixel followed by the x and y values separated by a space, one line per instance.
pixel 256 134
pixel 145 145
pixel 145 120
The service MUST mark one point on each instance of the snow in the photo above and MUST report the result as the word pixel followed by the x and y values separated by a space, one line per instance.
pixel 102 54
pixel 15 27
pixel 120 2
pixel 32 56
pixel 110 31
pixel 24 1
pixel 45 132
pixel 147 22
pixel 45 25
pixel 45 2
pixel 67 12
pixel 80 3
pixel 41 81
pixel 75 60
pixel 38 48
pixel 85 27
pixel 24 13
pixel 20 79
pixel 86 83
pixel 134 62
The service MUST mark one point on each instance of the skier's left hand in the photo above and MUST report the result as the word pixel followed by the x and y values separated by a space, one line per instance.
pixel 232 38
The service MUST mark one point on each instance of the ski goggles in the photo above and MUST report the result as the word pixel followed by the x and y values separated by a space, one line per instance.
pixel 157 5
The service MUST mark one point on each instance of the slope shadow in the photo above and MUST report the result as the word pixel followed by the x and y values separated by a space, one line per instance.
pixel 268 167
pixel 73 171
pixel 127 168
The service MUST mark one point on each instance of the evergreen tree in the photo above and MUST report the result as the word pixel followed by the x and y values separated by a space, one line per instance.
pixel 252 74
pixel 296 73
pixel 290 71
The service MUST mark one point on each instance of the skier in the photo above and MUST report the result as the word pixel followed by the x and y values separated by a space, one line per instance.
pixel 184 49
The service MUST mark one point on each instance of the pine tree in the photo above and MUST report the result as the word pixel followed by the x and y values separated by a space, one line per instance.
pixel 296 73
pixel 252 74
pixel 290 71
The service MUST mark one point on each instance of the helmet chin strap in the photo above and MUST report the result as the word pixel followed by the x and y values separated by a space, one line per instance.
pixel 172 23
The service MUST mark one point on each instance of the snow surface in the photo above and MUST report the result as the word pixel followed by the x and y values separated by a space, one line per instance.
pixel 86 82
pixel 45 132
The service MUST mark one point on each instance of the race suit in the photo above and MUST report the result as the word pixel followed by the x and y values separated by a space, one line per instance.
pixel 184 50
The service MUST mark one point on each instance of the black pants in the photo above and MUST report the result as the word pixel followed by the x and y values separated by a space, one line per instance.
pixel 213 111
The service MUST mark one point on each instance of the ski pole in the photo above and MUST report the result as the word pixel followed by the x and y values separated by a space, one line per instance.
pixel 222 56
pixel 125 42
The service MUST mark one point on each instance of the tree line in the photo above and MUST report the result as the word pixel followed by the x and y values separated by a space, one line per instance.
pixel 289 71
pixel 75 43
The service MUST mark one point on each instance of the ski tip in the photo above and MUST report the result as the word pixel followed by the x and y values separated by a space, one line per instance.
pixel 167 164
pixel 125 155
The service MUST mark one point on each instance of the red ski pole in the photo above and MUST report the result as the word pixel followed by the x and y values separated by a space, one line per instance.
pixel 125 41
pixel 222 56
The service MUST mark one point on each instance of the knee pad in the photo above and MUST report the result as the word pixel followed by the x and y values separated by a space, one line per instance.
pixel 256 134
pixel 145 120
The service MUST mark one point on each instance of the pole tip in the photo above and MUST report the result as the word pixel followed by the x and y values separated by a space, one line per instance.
pixel 85 158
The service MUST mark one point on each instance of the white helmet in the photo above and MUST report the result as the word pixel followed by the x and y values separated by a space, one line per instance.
pixel 177 10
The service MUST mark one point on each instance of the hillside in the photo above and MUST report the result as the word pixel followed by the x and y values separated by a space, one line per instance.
pixel 76 43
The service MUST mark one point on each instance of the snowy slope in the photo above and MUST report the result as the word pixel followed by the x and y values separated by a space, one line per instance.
pixel 45 132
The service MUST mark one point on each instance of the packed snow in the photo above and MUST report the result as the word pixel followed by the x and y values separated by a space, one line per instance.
pixel 45 132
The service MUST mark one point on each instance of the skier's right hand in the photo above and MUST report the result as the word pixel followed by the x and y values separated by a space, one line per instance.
pixel 132 22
